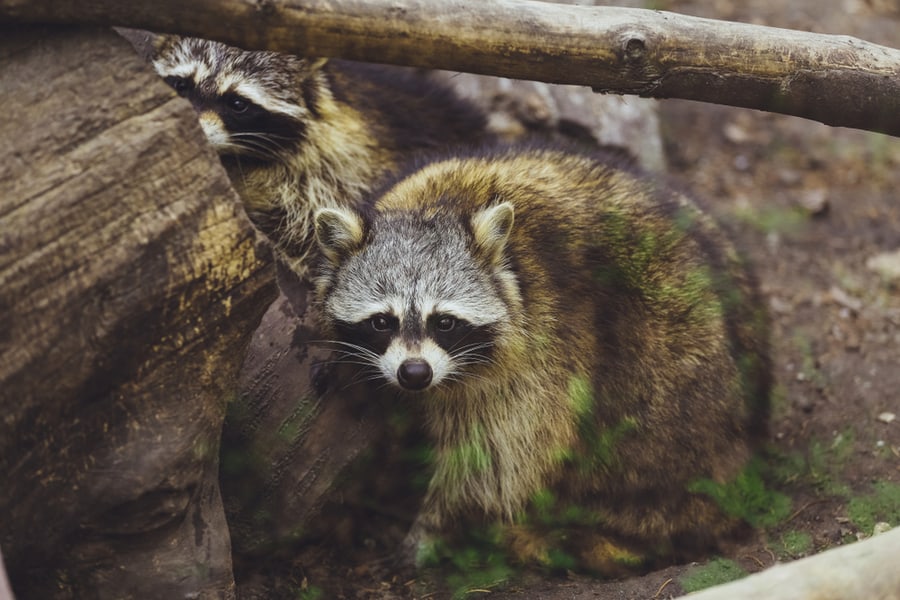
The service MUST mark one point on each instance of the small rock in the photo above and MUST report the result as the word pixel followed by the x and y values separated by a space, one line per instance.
pixel 780 306
pixel 886 417
pixel 804 404
pixel 736 134
pixel 742 163
pixel 881 527
pixel 886 264
pixel 814 201
pixel 844 299
pixel 789 176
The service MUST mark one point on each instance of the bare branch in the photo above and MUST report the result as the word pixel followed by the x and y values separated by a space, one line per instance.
pixel 838 80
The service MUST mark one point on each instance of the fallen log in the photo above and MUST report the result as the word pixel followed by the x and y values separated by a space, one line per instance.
pixel 130 280
pixel 838 80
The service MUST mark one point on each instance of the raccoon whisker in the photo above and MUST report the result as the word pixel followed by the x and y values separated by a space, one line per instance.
pixel 368 372
pixel 470 348
pixel 467 380
pixel 366 376
pixel 352 358
pixel 346 348
pixel 471 356
pixel 360 363
pixel 272 136
pixel 261 141
pixel 257 149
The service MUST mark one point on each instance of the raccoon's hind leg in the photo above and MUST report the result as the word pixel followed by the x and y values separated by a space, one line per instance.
pixel 576 549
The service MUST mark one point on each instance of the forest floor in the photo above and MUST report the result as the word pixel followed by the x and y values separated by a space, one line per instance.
pixel 817 209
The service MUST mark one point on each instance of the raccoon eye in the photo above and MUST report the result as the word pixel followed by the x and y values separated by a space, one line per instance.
pixel 237 104
pixel 445 323
pixel 181 85
pixel 382 323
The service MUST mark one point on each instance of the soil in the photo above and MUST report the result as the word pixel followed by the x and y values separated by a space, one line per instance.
pixel 814 207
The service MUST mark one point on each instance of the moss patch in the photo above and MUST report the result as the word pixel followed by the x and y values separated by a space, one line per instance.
pixel 792 544
pixel 748 497
pixel 715 572
pixel 883 504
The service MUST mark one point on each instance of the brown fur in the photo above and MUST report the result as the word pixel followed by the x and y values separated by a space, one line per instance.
pixel 633 362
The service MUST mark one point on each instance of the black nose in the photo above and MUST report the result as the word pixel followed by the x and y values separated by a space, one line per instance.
pixel 414 374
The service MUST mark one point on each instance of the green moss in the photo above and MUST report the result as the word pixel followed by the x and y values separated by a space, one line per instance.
pixel 557 560
pixel 747 497
pixel 581 396
pixel 883 504
pixel 310 593
pixel 773 219
pixel 821 466
pixel 477 561
pixel 471 456
pixel 792 544
pixel 715 572
pixel 827 461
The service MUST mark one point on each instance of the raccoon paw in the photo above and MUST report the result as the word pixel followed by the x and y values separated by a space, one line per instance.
pixel 418 549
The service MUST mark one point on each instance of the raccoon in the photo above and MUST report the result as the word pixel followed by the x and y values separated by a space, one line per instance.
pixel 586 349
pixel 299 133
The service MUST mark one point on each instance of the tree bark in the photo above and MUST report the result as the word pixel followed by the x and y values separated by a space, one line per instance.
pixel 130 280
pixel 838 80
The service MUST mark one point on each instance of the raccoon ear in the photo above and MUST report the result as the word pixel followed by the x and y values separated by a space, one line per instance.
pixel 314 64
pixel 491 227
pixel 339 231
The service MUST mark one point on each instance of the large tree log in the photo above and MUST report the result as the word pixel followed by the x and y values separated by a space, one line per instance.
pixel 130 280
pixel 837 80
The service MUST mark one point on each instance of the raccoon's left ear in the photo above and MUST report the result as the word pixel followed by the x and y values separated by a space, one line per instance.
pixel 491 227
pixel 339 232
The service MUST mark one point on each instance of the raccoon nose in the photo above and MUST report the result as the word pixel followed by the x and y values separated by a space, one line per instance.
pixel 414 374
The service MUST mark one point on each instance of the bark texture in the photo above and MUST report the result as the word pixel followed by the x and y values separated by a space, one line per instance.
pixel 837 80
pixel 129 282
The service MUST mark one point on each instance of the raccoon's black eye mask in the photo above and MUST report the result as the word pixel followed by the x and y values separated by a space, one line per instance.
pixel 374 333
pixel 181 85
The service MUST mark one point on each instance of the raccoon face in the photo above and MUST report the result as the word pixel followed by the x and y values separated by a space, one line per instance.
pixel 414 298
pixel 252 104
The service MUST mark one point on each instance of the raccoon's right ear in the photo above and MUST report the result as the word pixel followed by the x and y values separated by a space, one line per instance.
pixel 339 232
pixel 314 64
pixel 148 45
pixel 491 227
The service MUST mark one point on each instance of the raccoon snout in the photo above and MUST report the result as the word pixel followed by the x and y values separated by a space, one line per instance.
pixel 414 374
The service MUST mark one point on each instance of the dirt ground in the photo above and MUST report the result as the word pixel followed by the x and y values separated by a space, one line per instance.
pixel 818 211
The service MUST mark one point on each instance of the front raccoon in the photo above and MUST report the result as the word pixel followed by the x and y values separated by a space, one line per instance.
pixel 580 341
pixel 296 134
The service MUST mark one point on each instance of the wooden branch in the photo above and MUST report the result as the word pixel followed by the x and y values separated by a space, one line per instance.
pixel 838 80
pixel 866 569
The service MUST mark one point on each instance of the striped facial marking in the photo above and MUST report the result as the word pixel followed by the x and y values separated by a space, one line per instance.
pixel 246 100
